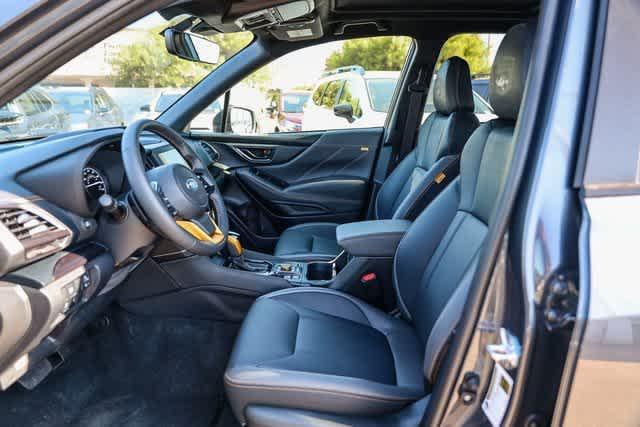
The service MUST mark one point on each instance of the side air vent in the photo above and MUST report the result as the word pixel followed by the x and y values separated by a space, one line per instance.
pixel 211 152
pixel 37 235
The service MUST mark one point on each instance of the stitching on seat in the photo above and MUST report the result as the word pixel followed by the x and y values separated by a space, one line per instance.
pixel 329 291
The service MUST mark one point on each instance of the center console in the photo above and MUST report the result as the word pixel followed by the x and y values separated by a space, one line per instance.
pixel 297 273
pixel 365 243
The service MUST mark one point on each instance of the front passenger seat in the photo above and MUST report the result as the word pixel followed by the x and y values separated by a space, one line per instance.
pixel 413 183
pixel 313 352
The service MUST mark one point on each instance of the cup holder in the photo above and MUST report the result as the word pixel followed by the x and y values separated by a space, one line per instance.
pixel 320 271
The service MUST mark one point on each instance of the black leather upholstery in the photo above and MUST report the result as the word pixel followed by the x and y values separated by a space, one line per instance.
pixel 314 240
pixel 372 239
pixel 412 184
pixel 452 91
pixel 322 350
pixel 509 71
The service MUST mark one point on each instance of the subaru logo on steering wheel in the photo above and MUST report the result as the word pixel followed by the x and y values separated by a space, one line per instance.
pixel 192 184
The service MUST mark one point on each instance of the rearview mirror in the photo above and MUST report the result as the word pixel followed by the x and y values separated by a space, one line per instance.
pixel 345 111
pixel 191 47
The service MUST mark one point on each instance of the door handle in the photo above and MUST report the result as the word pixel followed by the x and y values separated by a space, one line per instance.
pixel 255 154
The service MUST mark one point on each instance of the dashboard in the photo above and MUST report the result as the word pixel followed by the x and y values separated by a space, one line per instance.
pixel 59 253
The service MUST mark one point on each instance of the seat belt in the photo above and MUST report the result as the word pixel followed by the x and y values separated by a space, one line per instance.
pixel 416 90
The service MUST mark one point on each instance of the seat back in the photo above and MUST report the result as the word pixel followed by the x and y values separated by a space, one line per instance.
pixel 438 255
pixel 413 183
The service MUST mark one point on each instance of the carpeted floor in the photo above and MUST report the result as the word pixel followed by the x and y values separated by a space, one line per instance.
pixel 141 371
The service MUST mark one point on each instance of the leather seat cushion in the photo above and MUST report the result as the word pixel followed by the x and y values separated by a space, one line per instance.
pixel 316 240
pixel 320 349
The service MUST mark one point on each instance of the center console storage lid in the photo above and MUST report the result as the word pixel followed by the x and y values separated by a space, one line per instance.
pixel 372 239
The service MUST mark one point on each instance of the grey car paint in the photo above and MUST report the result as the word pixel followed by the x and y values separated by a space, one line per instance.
pixel 607 373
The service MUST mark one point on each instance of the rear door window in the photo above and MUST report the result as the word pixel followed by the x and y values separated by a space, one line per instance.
pixel 317 95
pixel 350 95
pixel 331 94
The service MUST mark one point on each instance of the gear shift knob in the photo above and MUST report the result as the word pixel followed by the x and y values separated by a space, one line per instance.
pixel 234 246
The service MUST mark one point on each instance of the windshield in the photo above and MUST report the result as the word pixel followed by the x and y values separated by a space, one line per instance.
pixel 381 92
pixel 293 103
pixel 72 102
pixel 128 76
pixel 165 101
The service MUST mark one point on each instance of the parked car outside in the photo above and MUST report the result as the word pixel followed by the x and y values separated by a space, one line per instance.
pixel 88 106
pixel 33 113
pixel 288 109
pixel 480 86
pixel 367 96
pixel 205 120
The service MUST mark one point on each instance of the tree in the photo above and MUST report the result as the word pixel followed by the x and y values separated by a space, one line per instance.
pixel 376 53
pixel 147 64
pixel 231 43
pixel 389 53
pixel 469 47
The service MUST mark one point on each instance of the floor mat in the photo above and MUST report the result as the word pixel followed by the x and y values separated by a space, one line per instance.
pixel 141 371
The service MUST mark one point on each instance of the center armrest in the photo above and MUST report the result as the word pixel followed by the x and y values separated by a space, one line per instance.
pixel 372 239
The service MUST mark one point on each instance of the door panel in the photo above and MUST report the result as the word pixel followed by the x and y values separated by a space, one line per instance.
pixel 277 181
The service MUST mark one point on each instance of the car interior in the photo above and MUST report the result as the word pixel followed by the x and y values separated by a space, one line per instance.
pixel 286 279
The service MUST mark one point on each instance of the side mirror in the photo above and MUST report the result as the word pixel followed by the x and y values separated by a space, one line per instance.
pixel 191 47
pixel 345 111
pixel 9 117
pixel 146 108
pixel 240 121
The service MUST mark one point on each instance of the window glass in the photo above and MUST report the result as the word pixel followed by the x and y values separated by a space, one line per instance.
pixel 381 91
pixel 479 51
pixel 72 102
pixel 299 91
pixel 294 102
pixel 27 104
pixel 331 94
pixel 351 96
pixel 128 76
pixel 41 101
pixel 317 94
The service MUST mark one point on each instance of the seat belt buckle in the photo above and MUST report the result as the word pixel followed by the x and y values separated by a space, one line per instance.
pixel 369 279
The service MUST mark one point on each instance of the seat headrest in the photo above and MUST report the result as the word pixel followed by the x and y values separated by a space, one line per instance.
pixel 509 71
pixel 452 87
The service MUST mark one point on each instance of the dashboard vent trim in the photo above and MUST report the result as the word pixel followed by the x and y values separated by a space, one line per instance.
pixel 36 234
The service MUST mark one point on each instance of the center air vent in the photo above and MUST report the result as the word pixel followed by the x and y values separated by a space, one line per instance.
pixel 211 152
pixel 37 235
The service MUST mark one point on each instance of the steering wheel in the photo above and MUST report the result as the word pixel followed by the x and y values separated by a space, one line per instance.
pixel 183 203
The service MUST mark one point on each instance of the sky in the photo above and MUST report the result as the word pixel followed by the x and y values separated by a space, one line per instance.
pixel 12 8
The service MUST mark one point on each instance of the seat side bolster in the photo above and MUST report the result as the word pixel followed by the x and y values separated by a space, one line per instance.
pixel 260 385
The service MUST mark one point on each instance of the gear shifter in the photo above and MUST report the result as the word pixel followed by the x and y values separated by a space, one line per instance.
pixel 236 252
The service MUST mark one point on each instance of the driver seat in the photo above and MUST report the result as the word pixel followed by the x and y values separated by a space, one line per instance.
pixel 311 353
